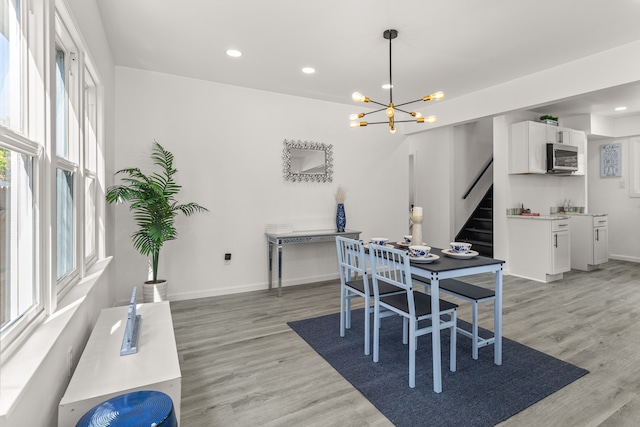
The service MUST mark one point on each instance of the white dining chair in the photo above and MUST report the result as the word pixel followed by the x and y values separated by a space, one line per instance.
pixel 354 283
pixel 391 267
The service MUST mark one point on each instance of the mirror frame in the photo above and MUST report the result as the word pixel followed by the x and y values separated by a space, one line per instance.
pixel 307 177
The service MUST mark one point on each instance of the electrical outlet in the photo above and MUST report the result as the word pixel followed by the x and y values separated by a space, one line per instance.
pixel 227 258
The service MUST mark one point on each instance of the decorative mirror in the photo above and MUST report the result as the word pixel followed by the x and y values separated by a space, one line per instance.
pixel 307 161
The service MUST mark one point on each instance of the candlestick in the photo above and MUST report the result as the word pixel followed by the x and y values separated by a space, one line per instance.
pixel 416 231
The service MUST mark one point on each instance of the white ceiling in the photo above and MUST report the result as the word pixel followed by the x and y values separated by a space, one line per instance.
pixel 457 46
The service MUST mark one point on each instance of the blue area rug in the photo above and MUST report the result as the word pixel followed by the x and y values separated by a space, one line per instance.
pixel 479 393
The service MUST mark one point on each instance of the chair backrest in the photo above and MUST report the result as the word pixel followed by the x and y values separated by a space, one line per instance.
pixel 391 266
pixel 351 259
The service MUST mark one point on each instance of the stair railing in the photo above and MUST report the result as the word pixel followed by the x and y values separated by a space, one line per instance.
pixel 486 167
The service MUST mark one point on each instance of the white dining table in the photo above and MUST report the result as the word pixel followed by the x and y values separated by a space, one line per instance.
pixel 446 268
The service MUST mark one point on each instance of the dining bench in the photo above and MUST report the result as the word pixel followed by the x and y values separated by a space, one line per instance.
pixel 468 292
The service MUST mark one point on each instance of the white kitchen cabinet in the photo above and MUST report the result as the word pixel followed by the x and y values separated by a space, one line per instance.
pixel 589 241
pixel 558 135
pixel 539 247
pixel 528 146
pixel 579 139
pixel 561 251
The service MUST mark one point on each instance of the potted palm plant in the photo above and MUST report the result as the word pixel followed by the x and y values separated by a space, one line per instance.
pixel 152 199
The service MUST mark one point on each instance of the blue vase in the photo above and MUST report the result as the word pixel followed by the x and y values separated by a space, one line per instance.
pixel 341 218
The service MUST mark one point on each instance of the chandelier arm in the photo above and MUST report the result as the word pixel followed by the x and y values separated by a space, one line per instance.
pixel 404 121
pixel 376 111
pixel 399 109
pixel 407 103
pixel 381 123
pixel 378 103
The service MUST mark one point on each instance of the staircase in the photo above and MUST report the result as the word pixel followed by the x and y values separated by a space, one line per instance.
pixel 478 230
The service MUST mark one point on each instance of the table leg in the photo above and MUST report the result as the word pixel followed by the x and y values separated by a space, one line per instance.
pixel 435 333
pixel 497 320
pixel 279 271
pixel 270 255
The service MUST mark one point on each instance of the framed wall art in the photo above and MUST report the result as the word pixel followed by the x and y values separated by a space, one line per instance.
pixel 610 160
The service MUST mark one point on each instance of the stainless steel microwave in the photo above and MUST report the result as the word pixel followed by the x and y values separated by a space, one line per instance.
pixel 562 158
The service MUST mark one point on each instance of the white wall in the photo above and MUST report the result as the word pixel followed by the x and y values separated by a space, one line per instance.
pixel 473 148
pixel 434 155
pixel 228 144
pixel 610 195
pixel 447 161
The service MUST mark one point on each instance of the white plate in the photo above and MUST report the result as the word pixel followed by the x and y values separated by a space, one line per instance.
pixel 470 254
pixel 406 245
pixel 429 258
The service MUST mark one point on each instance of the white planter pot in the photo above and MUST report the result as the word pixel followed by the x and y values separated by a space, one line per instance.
pixel 154 292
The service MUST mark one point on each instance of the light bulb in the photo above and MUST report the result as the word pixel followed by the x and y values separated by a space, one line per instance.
pixel 390 111
pixel 357 124
pixel 429 119
pixel 434 96
pixel 358 97
pixel 356 116
pixel 392 129
pixel 416 114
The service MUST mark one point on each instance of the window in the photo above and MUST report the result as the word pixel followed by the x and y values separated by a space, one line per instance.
pixel 49 209
pixel 90 164
pixel 18 286
pixel 11 69
pixel 65 223
pixel 67 143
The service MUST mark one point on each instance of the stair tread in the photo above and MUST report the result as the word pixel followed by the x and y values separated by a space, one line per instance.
pixel 478 242
pixel 479 230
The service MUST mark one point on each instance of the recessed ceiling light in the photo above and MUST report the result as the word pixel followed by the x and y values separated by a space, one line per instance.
pixel 386 86
pixel 308 70
pixel 620 108
pixel 234 53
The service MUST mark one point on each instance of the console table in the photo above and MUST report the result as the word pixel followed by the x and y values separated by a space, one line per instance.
pixel 315 236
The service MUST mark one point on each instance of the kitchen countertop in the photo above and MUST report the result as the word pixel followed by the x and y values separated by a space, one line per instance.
pixel 540 217
pixel 553 217
pixel 581 214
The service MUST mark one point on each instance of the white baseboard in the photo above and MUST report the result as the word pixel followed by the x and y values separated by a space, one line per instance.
pixel 250 287
pixel 625 258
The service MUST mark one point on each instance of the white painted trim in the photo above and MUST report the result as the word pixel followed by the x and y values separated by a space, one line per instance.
pixel 634 167
pixel 249 288
pixel 624 258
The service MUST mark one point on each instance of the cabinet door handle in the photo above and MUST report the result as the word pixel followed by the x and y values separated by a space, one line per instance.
pixel 555 245
pixel 597 235
pixel 563 225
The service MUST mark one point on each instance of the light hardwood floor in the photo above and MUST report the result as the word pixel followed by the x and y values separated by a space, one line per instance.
pixel 243 366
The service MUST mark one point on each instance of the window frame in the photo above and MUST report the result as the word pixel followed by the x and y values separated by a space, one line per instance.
pixel 45 27
pixel 27 320
pixel 69 159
